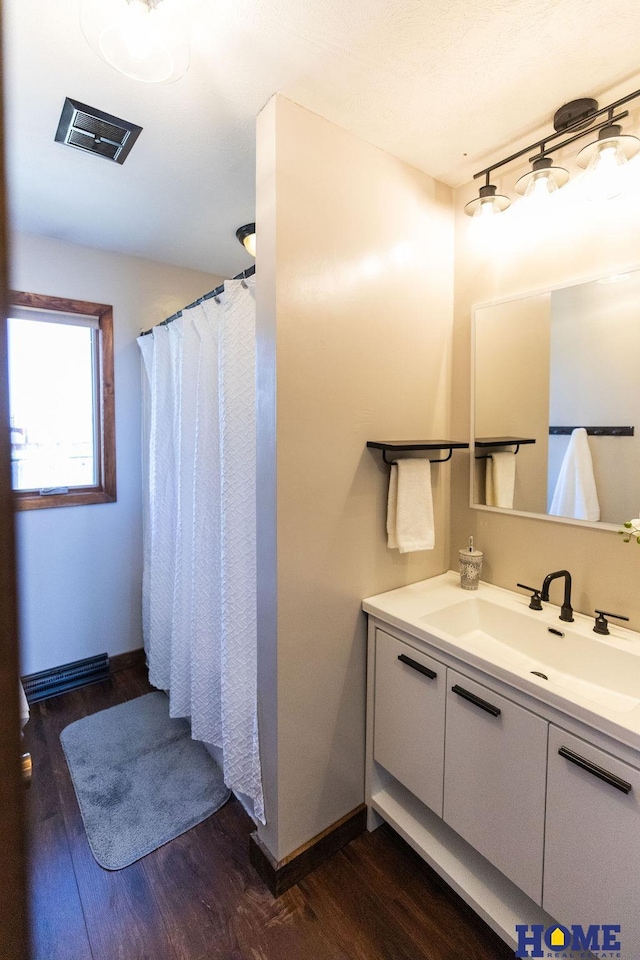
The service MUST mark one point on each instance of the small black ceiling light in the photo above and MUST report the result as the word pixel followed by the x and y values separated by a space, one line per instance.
pixel 487 202
pixel 247 237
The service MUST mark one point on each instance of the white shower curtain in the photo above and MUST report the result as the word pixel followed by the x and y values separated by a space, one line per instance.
pixel 199 584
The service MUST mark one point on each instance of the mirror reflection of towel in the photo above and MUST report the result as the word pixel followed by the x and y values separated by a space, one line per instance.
pixel 500 479
pixel 575 494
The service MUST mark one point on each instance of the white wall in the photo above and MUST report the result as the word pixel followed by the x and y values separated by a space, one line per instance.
pixel 354 299
pixel 80 568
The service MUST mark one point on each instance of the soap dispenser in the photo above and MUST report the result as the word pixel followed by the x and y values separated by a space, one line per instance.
pixel 470 564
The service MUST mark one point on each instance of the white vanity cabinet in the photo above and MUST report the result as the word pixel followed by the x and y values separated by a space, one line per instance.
pixel 592 845
pixel 515 772
pixel 408 737
pixel 494 782
pixel 486 777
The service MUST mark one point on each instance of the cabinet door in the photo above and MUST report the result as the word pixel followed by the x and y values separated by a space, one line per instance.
pixel 494 781
pixel 408 738
pixel 592 846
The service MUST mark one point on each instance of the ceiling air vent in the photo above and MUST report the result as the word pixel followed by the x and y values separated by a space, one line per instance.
pixel 96 132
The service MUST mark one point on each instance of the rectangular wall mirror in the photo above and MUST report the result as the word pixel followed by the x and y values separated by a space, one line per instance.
pixel 544 364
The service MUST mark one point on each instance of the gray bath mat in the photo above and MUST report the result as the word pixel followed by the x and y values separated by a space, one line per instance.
pixel 139 778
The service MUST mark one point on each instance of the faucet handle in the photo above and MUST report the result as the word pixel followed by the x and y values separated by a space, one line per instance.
pixel 601 625
pixel 535 603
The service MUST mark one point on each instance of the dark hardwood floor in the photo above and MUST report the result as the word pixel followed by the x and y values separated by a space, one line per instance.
pixel 198 898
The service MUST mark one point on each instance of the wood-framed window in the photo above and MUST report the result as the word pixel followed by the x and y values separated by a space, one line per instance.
pixel 62 402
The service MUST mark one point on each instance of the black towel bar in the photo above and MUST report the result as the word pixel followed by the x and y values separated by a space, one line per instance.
pixel 395 446
pixel 501 442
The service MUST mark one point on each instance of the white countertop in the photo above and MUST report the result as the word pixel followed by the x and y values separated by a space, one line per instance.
pixel 410 608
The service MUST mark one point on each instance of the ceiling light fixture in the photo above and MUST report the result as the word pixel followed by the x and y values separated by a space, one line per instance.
pixel 247 237
pixel 543 179
pixel 604 158
pixel 487 203
pixel 146 40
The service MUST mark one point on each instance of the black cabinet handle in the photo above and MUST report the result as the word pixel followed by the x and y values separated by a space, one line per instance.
pixel 597 771
pixel 418 666
pixel 478 701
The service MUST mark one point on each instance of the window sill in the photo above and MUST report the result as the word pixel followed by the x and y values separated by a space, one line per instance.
pixel 79 497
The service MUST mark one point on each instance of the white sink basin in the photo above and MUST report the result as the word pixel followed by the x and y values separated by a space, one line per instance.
pixel 590 677
pixel 598 671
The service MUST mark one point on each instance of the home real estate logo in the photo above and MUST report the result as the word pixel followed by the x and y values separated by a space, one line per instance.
pixel 599 940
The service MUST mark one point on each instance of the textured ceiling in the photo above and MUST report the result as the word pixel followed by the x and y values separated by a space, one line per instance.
pixel 446 85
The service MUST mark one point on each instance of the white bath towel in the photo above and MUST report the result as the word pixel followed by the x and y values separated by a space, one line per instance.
pixel 410 525
pixel 575 494
pixel 500 480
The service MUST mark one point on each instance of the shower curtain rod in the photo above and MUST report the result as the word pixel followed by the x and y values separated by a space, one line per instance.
pixel 249 272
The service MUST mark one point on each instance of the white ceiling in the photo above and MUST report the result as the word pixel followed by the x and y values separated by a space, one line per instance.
pixel 447 85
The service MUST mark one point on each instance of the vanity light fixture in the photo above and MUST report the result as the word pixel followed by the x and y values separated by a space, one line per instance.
pixel 488 202
pixel 543 179
pixel 146 40
pixel 247 237
pixel 604 158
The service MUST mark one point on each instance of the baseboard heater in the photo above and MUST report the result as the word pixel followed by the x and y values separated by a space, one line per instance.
pixel 69 676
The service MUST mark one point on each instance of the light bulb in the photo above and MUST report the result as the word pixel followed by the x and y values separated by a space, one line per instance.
pixel 486 209
pixel 137 27
pixel 541 186
pixel 145 40
pixel 542 180
pixel 604 178
pixel 606 159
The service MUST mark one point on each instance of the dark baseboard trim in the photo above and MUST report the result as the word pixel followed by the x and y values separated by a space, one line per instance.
pixel 129 659
pixel 280 875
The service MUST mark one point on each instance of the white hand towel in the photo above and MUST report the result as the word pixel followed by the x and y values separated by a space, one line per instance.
pixel 575 494
pixel 410 525
pixel 489 492
pixel 392 505
pixel 500 479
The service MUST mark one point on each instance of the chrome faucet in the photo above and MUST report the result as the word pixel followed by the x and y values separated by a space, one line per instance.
pixel 566 611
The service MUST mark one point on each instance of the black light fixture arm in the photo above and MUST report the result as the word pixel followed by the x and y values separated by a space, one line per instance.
pixel 578 136
pixel 577 127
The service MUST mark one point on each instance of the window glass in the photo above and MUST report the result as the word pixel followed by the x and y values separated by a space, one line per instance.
pixel 62 401
pixel 53 404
